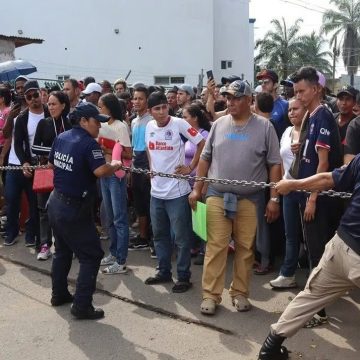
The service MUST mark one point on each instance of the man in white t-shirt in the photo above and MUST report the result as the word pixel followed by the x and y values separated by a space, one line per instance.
pixel 20 154
pixel 165 138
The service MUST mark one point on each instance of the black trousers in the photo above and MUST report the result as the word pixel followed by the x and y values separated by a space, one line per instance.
pixel 318 232
pixel 74 232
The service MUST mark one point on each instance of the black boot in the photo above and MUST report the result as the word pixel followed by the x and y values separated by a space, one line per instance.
pixel 272 349
pixel 58 300
pixel 89 313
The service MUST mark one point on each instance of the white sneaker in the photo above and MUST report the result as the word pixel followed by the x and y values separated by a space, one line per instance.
pixel 283 282
pixel 108 260
pixel 115 268
pixel 44 253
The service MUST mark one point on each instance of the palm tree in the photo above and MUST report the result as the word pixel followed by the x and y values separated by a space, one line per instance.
pixel 280 46
pixel 313 54
pixel 345 22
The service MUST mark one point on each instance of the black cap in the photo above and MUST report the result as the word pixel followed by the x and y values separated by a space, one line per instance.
pixel 230 79
pixel 174 90
pixel 31 85
pixel 347 90
pixel 88 110
pixel 287 82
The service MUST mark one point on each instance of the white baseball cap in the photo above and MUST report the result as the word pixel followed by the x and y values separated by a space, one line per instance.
pixel 92 87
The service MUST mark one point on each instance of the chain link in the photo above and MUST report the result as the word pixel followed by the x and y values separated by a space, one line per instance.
pixel 253 184
pixel 18 167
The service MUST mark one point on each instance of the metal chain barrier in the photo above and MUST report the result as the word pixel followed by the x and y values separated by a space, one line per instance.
pixel 254 184
pixel 18 167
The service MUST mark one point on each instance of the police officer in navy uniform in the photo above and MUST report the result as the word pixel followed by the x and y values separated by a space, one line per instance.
pixel 78 161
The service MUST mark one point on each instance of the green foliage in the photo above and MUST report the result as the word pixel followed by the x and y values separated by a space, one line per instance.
pixel 312 53
pixel 344 23
pixel 280 46
pixel 285 51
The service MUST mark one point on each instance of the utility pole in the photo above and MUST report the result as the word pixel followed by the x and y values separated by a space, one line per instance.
pixel 201 81
pixel 128 74
pixel 335 55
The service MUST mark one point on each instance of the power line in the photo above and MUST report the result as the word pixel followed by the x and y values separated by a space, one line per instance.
pixel 313 5
pixel 303 6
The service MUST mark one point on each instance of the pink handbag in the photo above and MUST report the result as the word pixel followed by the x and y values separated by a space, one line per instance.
pixel 116 155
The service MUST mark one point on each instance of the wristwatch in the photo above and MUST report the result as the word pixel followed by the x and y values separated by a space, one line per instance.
pixel 275 199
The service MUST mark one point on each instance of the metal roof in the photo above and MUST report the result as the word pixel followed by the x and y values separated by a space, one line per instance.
pixel 21 41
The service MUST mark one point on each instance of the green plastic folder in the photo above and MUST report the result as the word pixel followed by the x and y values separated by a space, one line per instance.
pixel 199 220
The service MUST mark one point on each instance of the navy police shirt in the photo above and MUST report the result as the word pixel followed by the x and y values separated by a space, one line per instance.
pixel 348 179
pixel 75 155
pixel 323 133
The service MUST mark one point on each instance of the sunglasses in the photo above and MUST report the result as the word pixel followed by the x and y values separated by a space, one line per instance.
pixel 34 95
pixel 264 82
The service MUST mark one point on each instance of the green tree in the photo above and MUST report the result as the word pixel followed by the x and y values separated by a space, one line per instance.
pixel 313 53
pixel 345 23
pixel 280 47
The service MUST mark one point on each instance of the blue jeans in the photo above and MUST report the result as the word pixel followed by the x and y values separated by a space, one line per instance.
pixel 45 229
pixel 16 183
pixel 291 212
pixel 114 196
pixel 172 218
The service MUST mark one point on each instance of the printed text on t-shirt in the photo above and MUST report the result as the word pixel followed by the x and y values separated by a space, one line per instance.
pixel 160 145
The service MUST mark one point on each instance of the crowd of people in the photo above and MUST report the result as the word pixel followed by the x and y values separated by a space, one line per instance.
pixel 289 129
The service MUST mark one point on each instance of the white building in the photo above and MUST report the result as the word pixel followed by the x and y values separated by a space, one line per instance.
pixel 157 41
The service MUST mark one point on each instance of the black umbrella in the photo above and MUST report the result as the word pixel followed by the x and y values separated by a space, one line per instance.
pixel 10 70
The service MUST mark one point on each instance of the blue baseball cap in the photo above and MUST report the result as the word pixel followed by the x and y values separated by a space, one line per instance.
pixel 287 82
pixel 88 110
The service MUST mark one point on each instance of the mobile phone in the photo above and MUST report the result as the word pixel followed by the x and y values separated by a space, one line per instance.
pixel 210 74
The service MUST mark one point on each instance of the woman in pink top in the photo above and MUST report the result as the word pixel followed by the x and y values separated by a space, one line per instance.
pixel 5 101
pixel 197 118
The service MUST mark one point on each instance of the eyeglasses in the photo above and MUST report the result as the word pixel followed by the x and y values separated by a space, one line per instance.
pixel 34 95
pixel 264 82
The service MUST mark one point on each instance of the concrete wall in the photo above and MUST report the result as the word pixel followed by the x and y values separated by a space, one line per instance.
pixel 231 37
pixel 7 49
pixel 155 37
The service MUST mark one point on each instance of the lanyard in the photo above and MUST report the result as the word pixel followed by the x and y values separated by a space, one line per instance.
pixel 62 128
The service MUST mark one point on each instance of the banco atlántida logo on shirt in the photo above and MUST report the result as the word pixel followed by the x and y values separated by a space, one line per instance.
pixel 160 145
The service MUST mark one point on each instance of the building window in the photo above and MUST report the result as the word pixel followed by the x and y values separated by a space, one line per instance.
pixel 63 77
pixel 226 64
pixel 161 80
pixel 177 79
pixel 167 80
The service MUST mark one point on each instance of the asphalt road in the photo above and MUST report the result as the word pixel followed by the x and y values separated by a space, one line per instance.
pixel 149 322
